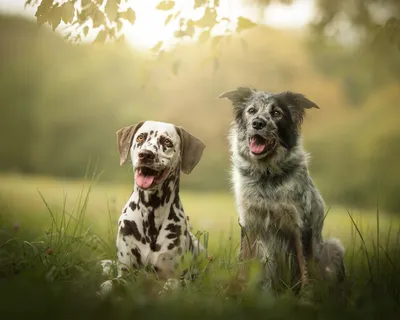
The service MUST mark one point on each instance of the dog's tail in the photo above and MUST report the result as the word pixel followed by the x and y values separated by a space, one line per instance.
pixel 331 260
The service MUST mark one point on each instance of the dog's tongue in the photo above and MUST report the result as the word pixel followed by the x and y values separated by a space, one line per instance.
pixel 142 180
pixel 256 146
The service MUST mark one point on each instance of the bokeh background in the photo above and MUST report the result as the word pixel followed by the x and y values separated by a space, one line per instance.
pixel 62 102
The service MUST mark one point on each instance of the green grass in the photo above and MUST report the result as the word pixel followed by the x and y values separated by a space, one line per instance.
pixel 54 232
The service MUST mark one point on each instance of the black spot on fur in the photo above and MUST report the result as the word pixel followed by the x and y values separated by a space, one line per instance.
pixel 133 206
pixel 124 210
pixel 130 229
pixel 121 254
pixel 171 246
pixel 155 247
pixel 137 255
pixel 151 132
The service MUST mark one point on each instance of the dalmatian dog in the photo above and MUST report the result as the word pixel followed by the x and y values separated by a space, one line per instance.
pixel 153 230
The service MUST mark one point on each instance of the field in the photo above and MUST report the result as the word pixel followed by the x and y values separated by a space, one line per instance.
pixel 53 232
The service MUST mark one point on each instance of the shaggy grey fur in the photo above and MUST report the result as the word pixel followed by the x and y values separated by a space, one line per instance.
pixel 277 201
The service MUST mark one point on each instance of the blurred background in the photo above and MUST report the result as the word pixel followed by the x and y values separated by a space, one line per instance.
pixel 62 101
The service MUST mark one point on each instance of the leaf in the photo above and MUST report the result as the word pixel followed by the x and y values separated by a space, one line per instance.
pixel 216 3
pixel 244 23
pixel 169 18
pixel 165 5
pixel 98 19
pixel 128 15
pixel 55 17
pixel 204 37
pixel 179 34
pixel 85 31
pixel 209 19
pixel 120 25
pixel 198 3
pixel 157 47
pixel 175 67
pixel 42 12
pixel 68 12
pixel 101 37
pixel 111 10
pixel 86 3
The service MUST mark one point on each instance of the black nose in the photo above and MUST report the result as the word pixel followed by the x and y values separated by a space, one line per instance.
pixel 258 124
pixel 146 155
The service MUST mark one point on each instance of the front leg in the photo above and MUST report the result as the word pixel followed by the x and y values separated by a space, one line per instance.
pixel 247 252
pixel 300 257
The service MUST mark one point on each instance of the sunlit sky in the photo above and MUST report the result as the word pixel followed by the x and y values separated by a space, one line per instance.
pixel 149 27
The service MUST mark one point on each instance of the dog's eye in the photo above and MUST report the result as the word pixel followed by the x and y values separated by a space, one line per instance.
pixel 140 138
pixel 251 111
pixel 168 143
pixel 276 113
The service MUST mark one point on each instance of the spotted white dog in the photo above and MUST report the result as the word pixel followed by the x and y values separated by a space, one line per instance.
pixel 153 230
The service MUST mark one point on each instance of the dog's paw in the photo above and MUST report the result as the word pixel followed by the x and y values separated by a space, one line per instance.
pixel 108 267
pixel 105 289
pixel 170 285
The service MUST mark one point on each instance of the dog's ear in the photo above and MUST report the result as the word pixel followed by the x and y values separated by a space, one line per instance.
pixel 238 96
pixel 191 150
pixel 124 140
pixel 297 103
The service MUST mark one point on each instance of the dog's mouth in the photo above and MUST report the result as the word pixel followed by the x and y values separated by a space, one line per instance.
pixel 146 177
pixel 259 145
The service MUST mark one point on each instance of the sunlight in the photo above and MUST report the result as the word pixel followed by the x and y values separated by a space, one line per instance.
pixel 150 28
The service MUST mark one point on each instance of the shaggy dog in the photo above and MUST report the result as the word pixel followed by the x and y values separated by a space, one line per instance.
pixel 280 210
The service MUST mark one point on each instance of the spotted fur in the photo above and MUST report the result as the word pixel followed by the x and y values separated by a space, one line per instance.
pixel 279 207
pixel 153 230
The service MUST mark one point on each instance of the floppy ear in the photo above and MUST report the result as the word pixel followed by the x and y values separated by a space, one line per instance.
pixel 239 95
pixel 124 140
pixel 297 104
pixel 191 150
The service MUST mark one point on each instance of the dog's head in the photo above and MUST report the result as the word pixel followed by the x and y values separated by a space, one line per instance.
pixel 268 121
pixel 156 150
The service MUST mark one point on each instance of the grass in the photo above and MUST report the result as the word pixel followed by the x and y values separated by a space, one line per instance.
pixel 54 232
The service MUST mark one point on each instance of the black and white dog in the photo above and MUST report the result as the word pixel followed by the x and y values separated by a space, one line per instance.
pixel 153 229
pixel 280 210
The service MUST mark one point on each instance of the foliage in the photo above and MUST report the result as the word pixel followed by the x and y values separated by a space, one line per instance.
pixel 58 273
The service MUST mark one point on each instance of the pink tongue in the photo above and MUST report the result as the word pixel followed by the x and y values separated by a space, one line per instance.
pixel 255 147
pixel 143 181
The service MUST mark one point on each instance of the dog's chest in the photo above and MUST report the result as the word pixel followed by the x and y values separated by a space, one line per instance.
pixel 149 235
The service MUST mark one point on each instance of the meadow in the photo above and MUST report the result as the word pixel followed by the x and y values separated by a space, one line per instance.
pixel 54 232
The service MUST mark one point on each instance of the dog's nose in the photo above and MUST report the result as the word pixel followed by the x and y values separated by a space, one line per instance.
pixel 146 155
pixel 258 124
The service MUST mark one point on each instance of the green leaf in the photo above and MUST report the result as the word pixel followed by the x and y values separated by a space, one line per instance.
pixel 111 10
pixel 42 12
pixel 128 15
pixel 198 3
pixel 68 12
pixel 85 31
pixel 179 34
pixel 55 17
pixel 165 5
pixel 169 18
pixel 175 67
pixel 204 36
pixel 119 24
pixel 86 3
pixel 157 47
pixel 244 23
pixel 209 19
pixel 216 3
pixel 98 19
pixel 101 37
